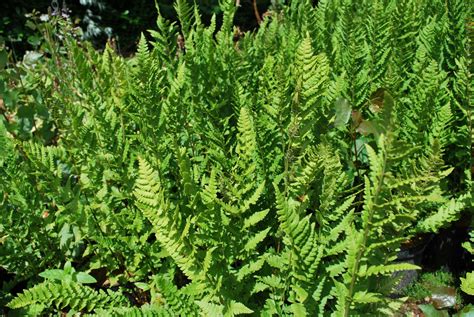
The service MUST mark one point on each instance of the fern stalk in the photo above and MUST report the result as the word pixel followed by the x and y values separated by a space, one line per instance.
pixel 367 227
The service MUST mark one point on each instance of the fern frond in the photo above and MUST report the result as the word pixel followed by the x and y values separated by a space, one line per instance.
pixel 68 294
pixel 234 308
pixel 389 268
pixel 184 10
pixel 46 158
pixel 446 214
pixel 144 60
pixel 247 144
pixel 312 79
pixel 143 311
pixel 151 201
pixel 176 302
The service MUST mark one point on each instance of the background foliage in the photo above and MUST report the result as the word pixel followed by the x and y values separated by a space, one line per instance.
pixel 104 19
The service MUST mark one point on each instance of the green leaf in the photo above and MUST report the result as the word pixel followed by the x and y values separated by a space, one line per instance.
pixel 53 275
pixel 467 311
pixel 467 283
pixel 84 278
pixel 210 309
pixel 301 294
pixel 391 268
pixel 430 311
pixel 34 40
pixel 343 112
pixel 142 286
pixel 367 128
pixel 366 297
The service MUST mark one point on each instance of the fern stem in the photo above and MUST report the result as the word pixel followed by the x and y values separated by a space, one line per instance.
pixel 255 11
pixel 362 247
pixel 356 155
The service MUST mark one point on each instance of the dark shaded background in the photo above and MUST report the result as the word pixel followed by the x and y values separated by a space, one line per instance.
pixel 126 19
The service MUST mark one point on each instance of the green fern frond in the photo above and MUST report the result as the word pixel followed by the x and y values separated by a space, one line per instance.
pixel 184 10
pixel 176 302
pixel 312 79
pixel 389 268
pixel 143 58
pixel 164 40
pixel 67 294
pixel 143 311
pixel 247 144
pixel 211 309
pixel 228 8
pixel 151 201
pixel 446 214
pixel 45 157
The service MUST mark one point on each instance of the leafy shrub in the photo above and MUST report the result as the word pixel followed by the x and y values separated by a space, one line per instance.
pixel 275 172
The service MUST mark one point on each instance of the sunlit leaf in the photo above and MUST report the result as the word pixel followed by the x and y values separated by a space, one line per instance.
pixel 31 57
pixel 467 283
pixel 343 112
pixel 54 275
pixel 84 278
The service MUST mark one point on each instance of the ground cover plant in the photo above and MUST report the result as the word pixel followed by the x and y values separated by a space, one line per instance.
pixel 272 173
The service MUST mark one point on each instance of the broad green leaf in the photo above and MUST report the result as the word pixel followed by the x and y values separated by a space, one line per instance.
pixel 54 275
pixel 142 286
pixel 84 278
pixel 301 293
pixel 430 311
pixel 367 128
pixel 343 112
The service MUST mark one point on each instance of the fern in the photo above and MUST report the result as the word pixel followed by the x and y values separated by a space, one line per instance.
pixel 313 75
pixel 153 203
pixel 67 294
pixel 446 213
pixel 219 172
pixel 184 10
pixel 143 311
pixel 176 302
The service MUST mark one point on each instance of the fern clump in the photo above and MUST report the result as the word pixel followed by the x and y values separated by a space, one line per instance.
pixel 276 173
